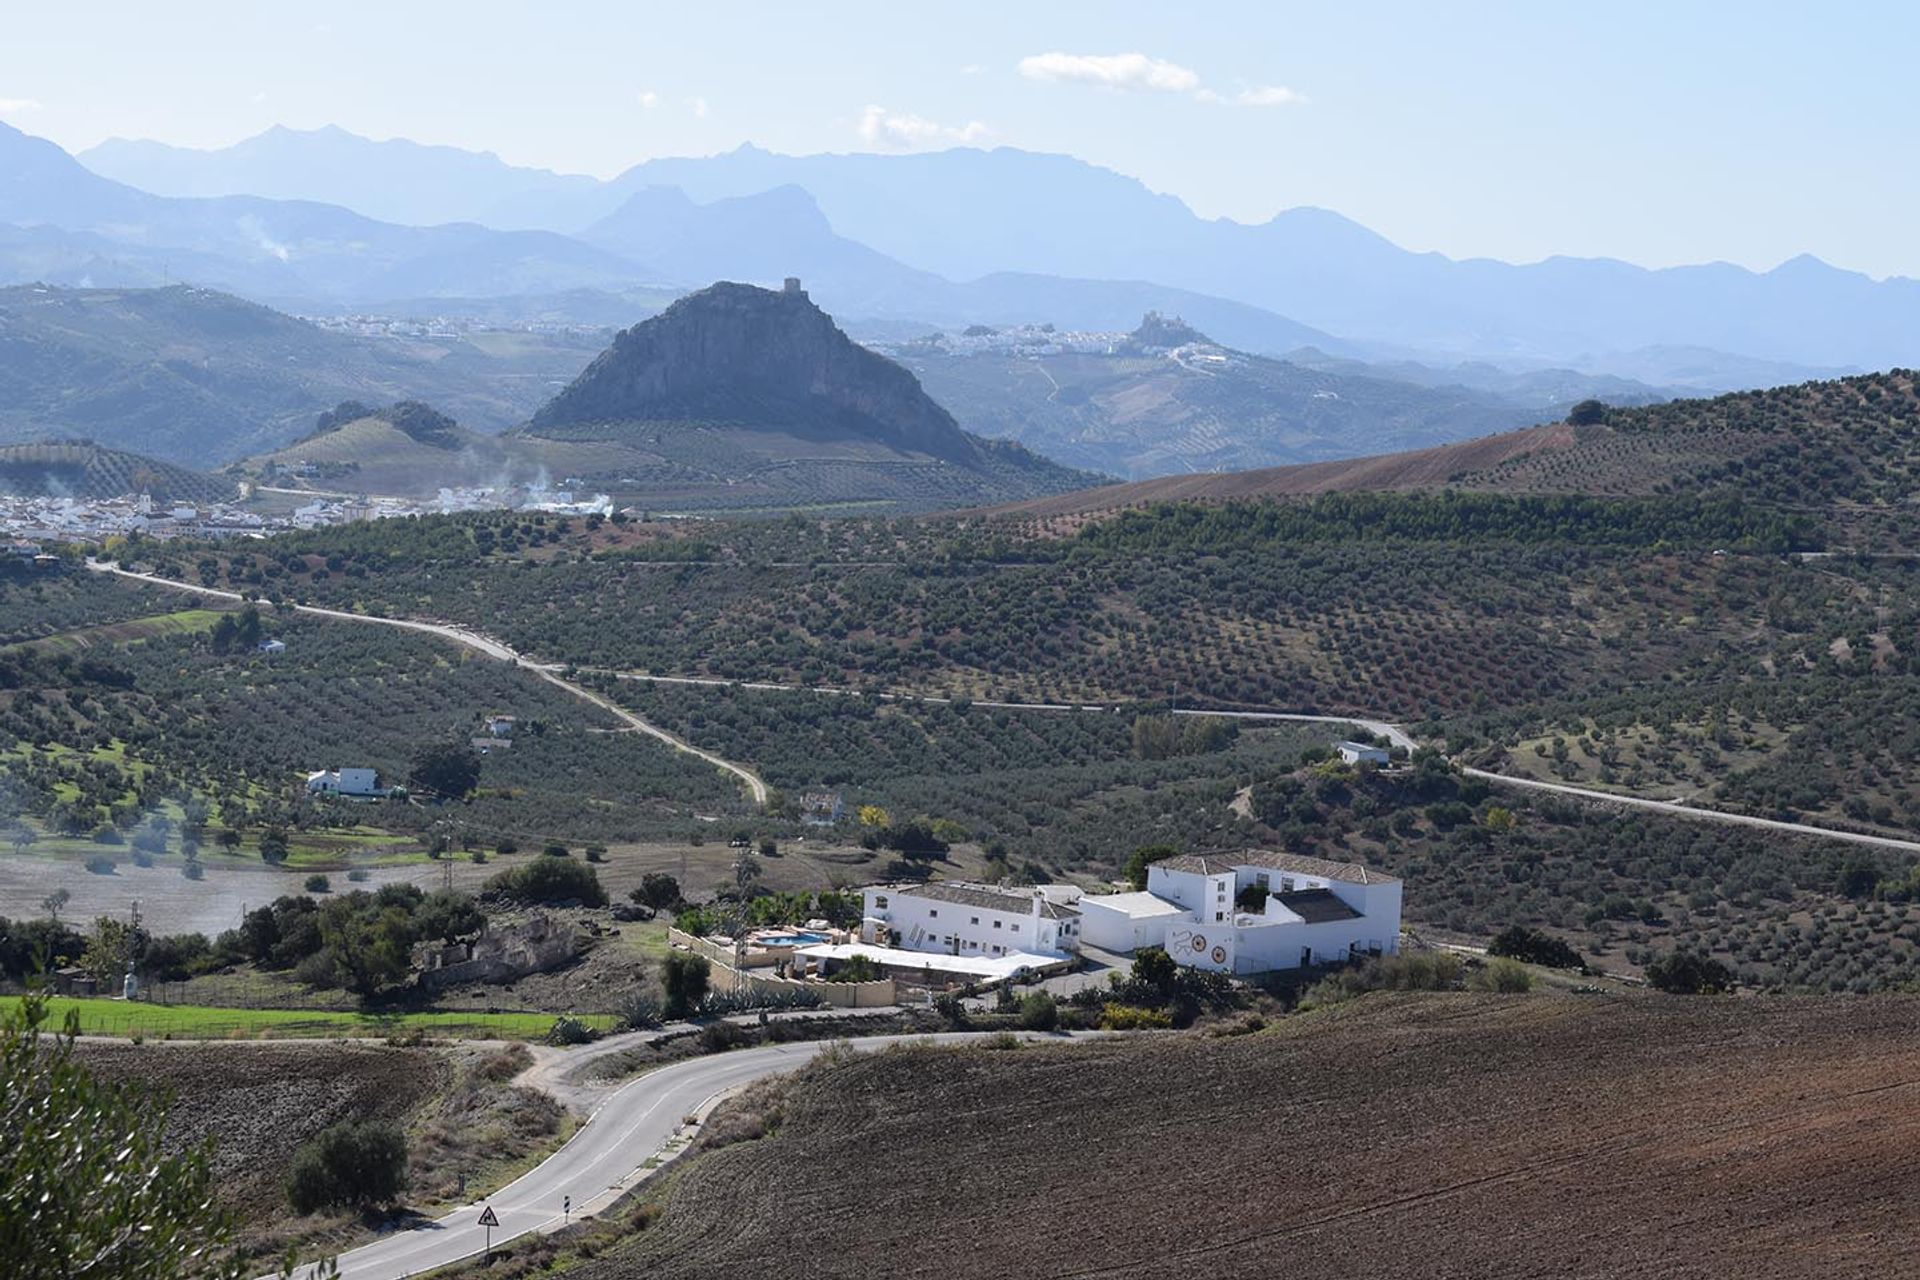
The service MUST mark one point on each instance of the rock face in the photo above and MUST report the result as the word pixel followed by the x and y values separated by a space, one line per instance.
pixel 738 356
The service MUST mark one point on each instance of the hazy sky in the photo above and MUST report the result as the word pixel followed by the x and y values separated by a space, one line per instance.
pixel 1660 133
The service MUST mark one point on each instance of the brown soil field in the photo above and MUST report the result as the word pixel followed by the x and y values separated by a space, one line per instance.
pixel 259 1102
pixel 1398 1136
pixel 1417 469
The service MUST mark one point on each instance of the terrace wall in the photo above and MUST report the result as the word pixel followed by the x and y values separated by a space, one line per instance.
pixel 726 978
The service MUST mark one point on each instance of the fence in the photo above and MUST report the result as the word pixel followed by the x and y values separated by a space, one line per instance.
pixel 726 978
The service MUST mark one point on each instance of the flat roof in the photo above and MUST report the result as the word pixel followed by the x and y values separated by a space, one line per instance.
pixel 1208 864
pixel 1136 906
pixel 938 961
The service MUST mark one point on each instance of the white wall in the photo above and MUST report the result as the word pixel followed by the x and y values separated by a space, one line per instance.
pixel 1111 929
pixel 961 929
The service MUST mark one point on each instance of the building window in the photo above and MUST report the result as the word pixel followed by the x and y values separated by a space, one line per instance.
pixel 996 924
pixel 932 914
pixel 976 920
pixel 1016 928
pixel 880 903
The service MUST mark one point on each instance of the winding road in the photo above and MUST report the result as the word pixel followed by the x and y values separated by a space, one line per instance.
pixel 1393 733
pixel 548 671
pixel 623 1140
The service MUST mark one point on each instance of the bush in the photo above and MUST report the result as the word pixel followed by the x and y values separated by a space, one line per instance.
pixel 567 1030
pixel 1687 973
pixel 318 884
pixel 1503 975
pixel 550 880
pixel 349 1166
pixel 685 977
pixel 1131 1017
pixel 951 1008
pixel 1038 1012
pixel 1534 946
pixel 1419 971
pixel 192 870
pixel 554 849
pixel 359 875
pixel 596 853
pixel 640 1013
pixel 100 865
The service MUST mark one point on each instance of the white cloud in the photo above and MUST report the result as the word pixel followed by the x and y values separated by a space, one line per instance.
pixel 1111 70
pixel 881 127
pixel 13 106
pixel 1270 95
pixel 698 106
pixel 649 99
pixel 1208 96
pixel 259 96
pixel 973 69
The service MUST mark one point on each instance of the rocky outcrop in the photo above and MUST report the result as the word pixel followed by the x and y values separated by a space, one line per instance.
pixel 734 355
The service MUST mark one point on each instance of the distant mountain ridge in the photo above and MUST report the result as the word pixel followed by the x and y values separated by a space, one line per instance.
pixel 954 214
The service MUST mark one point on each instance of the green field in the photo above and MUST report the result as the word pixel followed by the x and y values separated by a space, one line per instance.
pixel 102 1017
pixel 113 635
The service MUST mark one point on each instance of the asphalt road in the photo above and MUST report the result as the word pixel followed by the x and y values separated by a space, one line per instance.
pixel 600 1162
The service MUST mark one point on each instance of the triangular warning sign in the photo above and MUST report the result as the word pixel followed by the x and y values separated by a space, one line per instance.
pixel 487 1218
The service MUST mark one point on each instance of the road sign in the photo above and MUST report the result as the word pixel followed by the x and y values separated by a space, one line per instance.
pixel 488 1218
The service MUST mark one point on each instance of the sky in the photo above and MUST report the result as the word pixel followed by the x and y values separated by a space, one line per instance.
pixel 1658 133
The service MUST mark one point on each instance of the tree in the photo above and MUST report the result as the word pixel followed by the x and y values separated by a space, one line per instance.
pixel 450 770
pixel 1153 967
pixel 1587 413
pixel 349 1165
pixel 370 945
pixel 1140 859
pixel 1038 1012
pixel 1534 947
pixel 685 977
pixel 21 837
pixel 550 880
pixel 746 869
pixel 448 916
pixel 56 902
pixel 273 846
pixel 1687 973
pixel 111 948
pixel 87 1187
pixel 872 815
pixel 657 890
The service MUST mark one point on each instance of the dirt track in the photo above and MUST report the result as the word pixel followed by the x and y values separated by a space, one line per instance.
pixel 1447 1136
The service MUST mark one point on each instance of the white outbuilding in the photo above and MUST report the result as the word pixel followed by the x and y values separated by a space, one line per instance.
pixel 1362 753
pixel 968 919
pixel 344 782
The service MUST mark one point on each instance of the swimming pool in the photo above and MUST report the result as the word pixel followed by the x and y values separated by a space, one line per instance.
pixel 792 938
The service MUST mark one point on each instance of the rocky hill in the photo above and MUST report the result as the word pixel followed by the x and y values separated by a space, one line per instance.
pixel 741 386
pixel 82 469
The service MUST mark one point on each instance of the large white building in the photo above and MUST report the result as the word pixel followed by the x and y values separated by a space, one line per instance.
pixel 968 920
pixel 1202 909
pixel 344 782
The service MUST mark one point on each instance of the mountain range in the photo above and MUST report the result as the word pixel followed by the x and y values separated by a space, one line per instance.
pixel 964 214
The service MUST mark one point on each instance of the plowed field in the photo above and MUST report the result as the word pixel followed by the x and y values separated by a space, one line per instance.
pixel 1403 1136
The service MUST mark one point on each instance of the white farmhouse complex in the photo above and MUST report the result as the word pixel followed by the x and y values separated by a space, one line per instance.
pixel 343 782
pixel 968 920
pixel 1202 909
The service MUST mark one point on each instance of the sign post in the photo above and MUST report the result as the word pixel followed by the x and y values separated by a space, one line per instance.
pixel 489 1220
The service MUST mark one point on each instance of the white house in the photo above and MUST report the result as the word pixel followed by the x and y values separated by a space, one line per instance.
pixel 822 808
pixel 1359 752
pixel 270 645
pixel 501 726
pixel 344 782
pixel 1202 909
pixel 968 920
